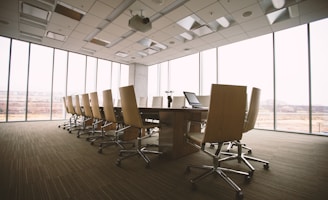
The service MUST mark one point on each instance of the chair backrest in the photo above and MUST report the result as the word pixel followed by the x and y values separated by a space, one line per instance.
pixel 157 102
pixel 204 100
pixel 253 110
pixel 131 114
pixel 86 105
pixel 108 106
pixel 142 102
pixel 65 104
pixel 226 114
pixel 95 105
pixel 78 105
pixel 70 107
pixel 178 101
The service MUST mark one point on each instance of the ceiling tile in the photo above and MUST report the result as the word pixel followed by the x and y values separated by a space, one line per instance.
pixel 211 12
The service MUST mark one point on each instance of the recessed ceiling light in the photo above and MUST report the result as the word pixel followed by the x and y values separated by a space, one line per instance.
pixel 223 22
pixel 247 13
pixel 56 36
pixel 121 54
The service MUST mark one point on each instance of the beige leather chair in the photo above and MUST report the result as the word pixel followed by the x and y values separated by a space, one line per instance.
pixel 178 101
pixel 97 119
pixel 87 114
pixel 72 123
pixel 65 124
pixel 79 113
pixel 249 124
pixel 204 100
pixel 132 118
pixel 143 102
pixel 157 102
pixel 113 122
pixel 225 123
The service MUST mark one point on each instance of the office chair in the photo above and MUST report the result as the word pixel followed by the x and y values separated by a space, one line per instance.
pixel 225 122
pixel 132 119
pixel 157 102
pixel 249 124
pixel 97 119
pixel 73 119
pixel 204 100
pixel 142 102
pixel 113 122
pixel 178 102
pixel 65 123
pixel 87 114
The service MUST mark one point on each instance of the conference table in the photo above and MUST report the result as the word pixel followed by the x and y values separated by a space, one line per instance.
pixel 173 123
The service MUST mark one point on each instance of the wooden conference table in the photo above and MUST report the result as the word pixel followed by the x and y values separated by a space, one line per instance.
pixel 173 126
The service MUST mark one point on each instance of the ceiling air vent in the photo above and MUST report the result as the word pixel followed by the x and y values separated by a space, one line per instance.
pixel 69 11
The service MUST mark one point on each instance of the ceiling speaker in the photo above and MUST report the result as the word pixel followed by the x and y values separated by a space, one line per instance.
pixel 140 23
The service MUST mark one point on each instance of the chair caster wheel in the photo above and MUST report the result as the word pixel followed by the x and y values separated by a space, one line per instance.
pixel 118 163
pixel 249 152
pixel 91 143
pixel 266 166
pixel 69 131
pixel 78 136
pixel 99 150
pixel 239 195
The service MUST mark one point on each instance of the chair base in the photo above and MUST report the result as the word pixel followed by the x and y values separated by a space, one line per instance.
pixel 136 152
pixel 241 157
pixel 211 170
pixel 116 142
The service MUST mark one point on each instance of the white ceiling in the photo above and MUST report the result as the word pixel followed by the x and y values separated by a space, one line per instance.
pixel 164 30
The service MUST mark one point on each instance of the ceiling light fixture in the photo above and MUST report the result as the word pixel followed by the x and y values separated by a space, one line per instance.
pixel 223 22
pixel 278 3
pixel 56 36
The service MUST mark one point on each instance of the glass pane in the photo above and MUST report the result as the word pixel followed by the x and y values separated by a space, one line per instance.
pixel 124 81
pixel 59 84
pixel 76 74
pixel 40 80
pixel 104 75
pixel 152 83
pixel 241 64
pixel 116 70
pixel 164 81
pixel 208 70
pixel 184 75
pixel 4 66
pixel 91 82
pixel 319 63
pixel 18 81
pixel 292 93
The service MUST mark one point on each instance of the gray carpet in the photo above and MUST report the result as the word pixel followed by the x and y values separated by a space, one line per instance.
pixel 40 161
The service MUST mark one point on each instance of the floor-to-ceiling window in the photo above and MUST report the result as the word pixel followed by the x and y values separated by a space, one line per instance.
pixel 184 74
pixel 18 80
pixel 4 71
pixel 292 79
pixel 153 89
pixel 104 79
pixel 76 73
pixel 91 79
pixel 40 83
pixel 319 80
pixel 250 63
pixel 208 66
pixel 59 83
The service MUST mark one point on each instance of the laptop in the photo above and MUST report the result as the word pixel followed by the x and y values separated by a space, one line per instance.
pixel 193 100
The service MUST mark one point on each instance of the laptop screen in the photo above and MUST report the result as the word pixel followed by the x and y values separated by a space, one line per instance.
pixel 191 98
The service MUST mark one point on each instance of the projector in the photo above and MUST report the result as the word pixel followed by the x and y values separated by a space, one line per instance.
pixel 140 23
